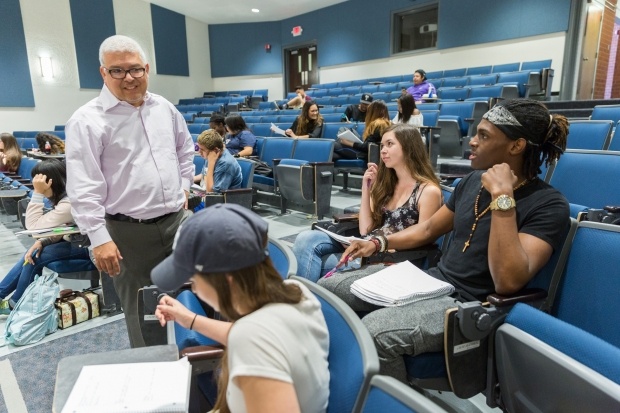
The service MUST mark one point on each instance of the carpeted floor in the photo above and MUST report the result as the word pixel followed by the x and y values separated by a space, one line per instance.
pixel 35 368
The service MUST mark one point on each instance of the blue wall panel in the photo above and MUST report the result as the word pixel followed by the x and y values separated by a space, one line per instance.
pixel 15 82
pixel 170 38
pixel 239 49
pixel 469 22
pixel 93 22
pixel 359 30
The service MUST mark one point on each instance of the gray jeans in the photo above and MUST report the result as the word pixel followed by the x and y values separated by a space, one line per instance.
pixel 396 331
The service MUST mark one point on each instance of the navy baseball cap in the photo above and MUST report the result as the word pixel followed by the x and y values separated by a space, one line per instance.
pixel 217 239
pixel 366 98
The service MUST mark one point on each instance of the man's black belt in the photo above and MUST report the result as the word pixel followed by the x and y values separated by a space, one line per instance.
pixel 125 218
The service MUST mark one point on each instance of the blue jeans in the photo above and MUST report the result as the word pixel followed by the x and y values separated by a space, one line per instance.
pixel 20 276
pixel 317 254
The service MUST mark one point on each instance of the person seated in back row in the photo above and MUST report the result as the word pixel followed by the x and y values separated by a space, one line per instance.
pixel 420 87
pixel 309 123
pixel 505 223
pixel 298 101
pixel 377 122
pixel 10 155
pixel 57 145
pixel 240 140
pixel 225 172
pixel 218 123
pixel 408 112
pixel 357 113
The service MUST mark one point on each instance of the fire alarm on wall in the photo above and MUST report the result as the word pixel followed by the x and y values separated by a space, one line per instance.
pixel 297 30
pixel 267 47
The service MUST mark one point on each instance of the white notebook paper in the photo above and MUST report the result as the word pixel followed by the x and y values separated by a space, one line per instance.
pixel 340 238
pixel 399 284
pixel 350 136
pixel 161 387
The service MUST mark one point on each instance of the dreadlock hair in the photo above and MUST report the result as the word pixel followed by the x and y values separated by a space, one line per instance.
pixel 546 133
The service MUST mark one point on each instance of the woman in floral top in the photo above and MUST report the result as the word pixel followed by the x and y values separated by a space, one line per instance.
pixel 399 192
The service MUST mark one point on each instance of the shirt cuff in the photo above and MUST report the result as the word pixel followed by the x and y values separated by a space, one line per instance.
pixel 99 236
pixel 37 198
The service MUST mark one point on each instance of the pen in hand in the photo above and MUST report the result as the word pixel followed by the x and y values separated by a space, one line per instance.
pixel 333 270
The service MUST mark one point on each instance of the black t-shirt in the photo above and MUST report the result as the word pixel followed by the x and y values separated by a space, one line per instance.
pixel 542 211
pixel 354 113
pixel 314 129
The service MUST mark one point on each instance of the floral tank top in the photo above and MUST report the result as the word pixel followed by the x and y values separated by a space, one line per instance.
pixel 402 217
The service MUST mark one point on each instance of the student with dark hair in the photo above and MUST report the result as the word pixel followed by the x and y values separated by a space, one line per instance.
pixel 10 155
pixel 408 112
pixel 308 124
pixel 276 338
pixel 218 123
pixel 377 122
pixel 420 87
pixel 240 140
pixel 505 223
pixel 357 113
pixel 49 178
pixel 221 171
pixel 57 145
pixel 298 101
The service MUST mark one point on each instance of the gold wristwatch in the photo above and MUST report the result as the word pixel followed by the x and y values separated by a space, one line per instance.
pixel 503 203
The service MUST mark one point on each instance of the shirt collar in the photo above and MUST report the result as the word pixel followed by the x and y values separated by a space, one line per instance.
pixel 109 101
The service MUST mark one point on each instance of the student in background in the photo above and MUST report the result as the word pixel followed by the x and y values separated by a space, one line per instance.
pixel 57 145
pixel 357 113
pixel 309 123
pixel 48 179
pixel 408 112
pixel 218 123
pixel 420 86
pixel 401 191
pixel 240 140
pixel 377 122
pixel 10 155
pixel 222 251
pixel 129 170
pixel 298 101
pixel 221 170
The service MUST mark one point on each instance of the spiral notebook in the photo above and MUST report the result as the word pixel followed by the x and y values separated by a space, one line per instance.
pixel 155 387
pixel 399 284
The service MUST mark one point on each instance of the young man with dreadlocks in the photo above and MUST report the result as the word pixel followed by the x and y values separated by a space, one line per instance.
pixel 506 223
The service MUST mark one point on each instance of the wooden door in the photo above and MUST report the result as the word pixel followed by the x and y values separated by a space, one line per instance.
pixel 587 69
pixel 302 67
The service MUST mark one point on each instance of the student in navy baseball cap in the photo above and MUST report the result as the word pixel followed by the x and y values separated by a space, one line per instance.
pixel 223 251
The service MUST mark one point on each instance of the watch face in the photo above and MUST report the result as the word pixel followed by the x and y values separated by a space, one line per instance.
pixel 504 202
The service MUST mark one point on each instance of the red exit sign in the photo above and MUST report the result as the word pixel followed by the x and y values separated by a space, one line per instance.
pixel 297 30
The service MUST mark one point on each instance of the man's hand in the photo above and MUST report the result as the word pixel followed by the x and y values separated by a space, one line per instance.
pixel 38 247
pixel 41 183
pixel 107 258
pixel 187 197
pixel 499 180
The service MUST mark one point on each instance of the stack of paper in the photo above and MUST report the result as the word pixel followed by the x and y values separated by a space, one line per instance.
pixel 399 284
pixel 132 388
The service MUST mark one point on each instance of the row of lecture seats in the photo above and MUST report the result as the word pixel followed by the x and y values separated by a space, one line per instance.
pixel 480 70
pixel 522 348
pixel 263 93
pixel 31 134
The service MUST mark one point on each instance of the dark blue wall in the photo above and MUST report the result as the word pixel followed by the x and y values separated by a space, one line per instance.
pixel 93 22
pixel 467 22
pixel 239 49
pixel 170 40
pixel 359 30
pixel 15 82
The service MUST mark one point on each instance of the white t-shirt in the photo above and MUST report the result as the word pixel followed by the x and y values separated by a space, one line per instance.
pixel 282 342
pixel 415 120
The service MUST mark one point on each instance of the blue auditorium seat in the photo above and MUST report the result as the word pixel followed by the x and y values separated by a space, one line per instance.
pixel 589 134
pixel 479 70
pixel 507 67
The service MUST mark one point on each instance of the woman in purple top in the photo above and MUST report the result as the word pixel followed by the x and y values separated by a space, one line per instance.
pixel 420 86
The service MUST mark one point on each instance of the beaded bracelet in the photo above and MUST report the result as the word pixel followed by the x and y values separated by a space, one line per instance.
pixel 376 241
pixel 384 243
pixel 192 324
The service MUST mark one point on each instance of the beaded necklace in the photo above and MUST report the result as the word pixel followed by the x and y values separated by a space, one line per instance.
pixel 478 216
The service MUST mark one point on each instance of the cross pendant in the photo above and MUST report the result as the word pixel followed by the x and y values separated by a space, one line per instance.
pixel 466 245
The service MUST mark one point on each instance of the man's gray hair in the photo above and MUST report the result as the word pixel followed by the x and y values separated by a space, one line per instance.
pixel 120 43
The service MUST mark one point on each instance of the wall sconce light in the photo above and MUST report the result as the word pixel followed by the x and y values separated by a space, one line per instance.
pixel 47 70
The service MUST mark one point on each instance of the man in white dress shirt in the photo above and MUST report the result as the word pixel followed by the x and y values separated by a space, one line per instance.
pixel 129 167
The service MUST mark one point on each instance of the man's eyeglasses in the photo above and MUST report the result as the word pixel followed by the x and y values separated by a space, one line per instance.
pixel 136 72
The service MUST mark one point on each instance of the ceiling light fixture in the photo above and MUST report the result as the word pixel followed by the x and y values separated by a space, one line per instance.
pixel 255 10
